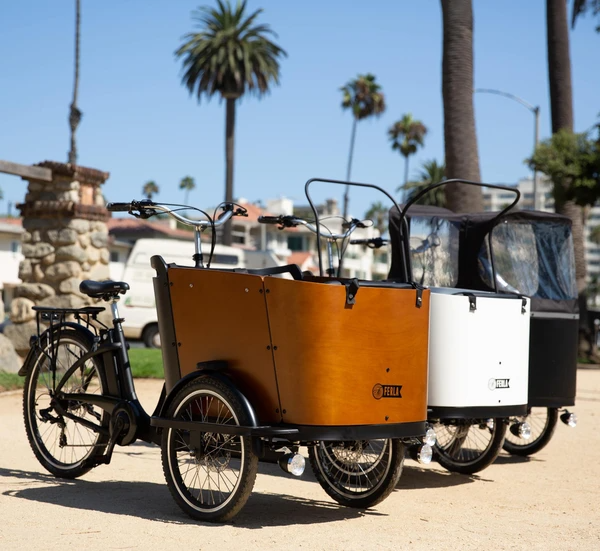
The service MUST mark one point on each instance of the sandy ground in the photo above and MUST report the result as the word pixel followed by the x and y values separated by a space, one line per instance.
pixel 549 502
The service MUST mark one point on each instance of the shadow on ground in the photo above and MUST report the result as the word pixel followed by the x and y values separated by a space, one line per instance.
pixel 508 459
pixel 152 501
pixel 415 477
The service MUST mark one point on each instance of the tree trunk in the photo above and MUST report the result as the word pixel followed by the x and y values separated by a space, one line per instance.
pixel 462 158
pixel 559 65
pixel 561 103
pixel 229 143
pixel 349 170
pixel 74 112
pixel 347 190
pixel 405 173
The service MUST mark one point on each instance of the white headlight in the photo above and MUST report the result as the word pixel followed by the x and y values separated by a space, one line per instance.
pixel 425 454
pixel 293 463
pixel 430 438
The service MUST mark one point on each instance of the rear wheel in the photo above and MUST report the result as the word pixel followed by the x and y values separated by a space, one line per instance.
pixel 542 422
pixel 468 447
pixel 63 446
pixel 359 474
pixel 209 474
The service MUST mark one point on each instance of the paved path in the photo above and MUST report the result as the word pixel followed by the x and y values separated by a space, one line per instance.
pixel 550 502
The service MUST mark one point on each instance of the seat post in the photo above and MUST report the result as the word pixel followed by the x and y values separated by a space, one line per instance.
pixel 114 309
pixel 125 366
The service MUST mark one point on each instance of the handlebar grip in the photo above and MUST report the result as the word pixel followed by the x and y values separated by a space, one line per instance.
pixel 373 242
pixel 118 207
pixel 269 219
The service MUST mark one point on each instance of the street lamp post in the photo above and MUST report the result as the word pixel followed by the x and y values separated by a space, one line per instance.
pixel 536 113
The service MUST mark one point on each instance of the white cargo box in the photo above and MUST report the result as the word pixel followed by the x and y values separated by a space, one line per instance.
pixel 478 351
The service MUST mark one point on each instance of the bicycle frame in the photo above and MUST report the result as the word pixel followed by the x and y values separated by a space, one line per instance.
pixel 110 348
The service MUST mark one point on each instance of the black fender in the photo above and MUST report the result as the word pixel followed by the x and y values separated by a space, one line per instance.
pixel 28 363
pixel 212 370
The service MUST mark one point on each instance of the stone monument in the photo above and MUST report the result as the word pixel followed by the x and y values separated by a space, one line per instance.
pixel 65 241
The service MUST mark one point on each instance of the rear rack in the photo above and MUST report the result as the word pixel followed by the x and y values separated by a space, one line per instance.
pixel 54 316
pixel 51 321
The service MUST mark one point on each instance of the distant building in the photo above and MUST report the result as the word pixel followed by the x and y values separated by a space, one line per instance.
pixel 10 257
pixel 359 261
pixel 292 245
pixel 496 199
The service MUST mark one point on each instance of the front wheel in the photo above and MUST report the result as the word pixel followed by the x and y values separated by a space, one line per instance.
pixel 359 473
pixel 151 336
pixel 468 447
pixel 542 422
pixel 209 474
pixel 65 445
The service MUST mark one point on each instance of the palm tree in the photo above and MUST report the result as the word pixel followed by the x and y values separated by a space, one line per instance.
pixel 582 6
pixel 561 105
pixel 406 136
pixel 364 98
pixel 462 157
pixel 430 173
pixel 74 113
pixel 230 55
pixel 188 184
pixel 559 65
pixel 150 188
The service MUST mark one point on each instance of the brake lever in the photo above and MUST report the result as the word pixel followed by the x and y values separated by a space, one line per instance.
pixel 353 222
pixel 289 221
pixel 142 207
pixel 145 213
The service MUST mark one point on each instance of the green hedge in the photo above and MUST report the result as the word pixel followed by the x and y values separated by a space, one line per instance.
pixel 145 363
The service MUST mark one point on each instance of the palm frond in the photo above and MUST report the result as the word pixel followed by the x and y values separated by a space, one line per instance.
pixel 363 96
pixel 230 55
pixel 149 189
pixel 431 173
pixel 407 135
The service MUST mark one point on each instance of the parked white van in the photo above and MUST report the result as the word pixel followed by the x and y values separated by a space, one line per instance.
pixel 139 309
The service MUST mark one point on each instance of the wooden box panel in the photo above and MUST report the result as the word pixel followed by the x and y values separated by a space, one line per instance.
pixel 222 316
pixel 330 360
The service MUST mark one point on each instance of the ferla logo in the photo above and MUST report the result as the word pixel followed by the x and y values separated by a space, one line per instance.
pixel 494 384
pixel 387 391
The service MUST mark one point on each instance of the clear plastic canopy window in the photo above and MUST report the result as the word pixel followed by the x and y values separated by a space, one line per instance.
pixel 434 251
pixel 533 258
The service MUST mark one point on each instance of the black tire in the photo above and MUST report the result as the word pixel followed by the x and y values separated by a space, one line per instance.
pixel 543 423
pixel 470 446
pixel 358 474
pixel 190 472
pixel 64 447
pixel 151 336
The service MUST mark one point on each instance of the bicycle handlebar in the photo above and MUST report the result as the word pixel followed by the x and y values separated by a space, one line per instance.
pixel 118 207
pixel 288 221
pixel 373 242
pixel 147 208
pixel 284 221
pixel 269 219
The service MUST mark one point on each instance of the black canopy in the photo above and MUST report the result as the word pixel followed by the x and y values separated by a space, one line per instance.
pixel 524 252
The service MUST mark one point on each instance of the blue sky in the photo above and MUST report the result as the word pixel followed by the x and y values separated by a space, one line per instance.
pixel 140 123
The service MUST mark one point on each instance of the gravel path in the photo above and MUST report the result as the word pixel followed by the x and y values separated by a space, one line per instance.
pixel 549 502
